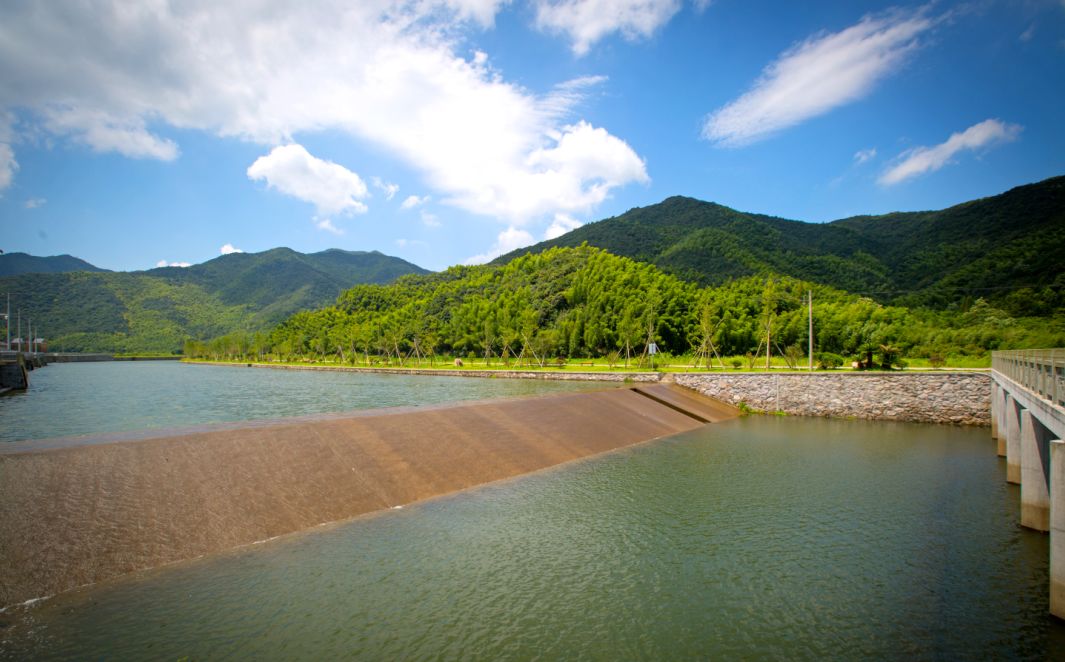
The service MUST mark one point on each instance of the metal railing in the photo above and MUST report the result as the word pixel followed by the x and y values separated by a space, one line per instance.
pixel 1041 371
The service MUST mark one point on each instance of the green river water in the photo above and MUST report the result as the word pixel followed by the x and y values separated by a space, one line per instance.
pixel 759 538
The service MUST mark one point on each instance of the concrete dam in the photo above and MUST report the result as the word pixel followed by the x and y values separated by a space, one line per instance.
pixel 78 512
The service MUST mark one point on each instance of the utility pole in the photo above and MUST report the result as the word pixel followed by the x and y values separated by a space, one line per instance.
pixel 768 335
pixel 810 300
pixel 7 320
pixel 19 329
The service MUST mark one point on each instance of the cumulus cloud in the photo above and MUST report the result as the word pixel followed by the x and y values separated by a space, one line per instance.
pixel 412 201
pixel 331 188
pixel 510 239
pixel 561 225
pixel 921 160
pixel 34 203
pixel 118 76
pixel 430 220
pixel 227 249
pixel 8 166
pixel 587 21
pixel 104 132
pixel 327 225
pixel 390 190
pixel 863 155
pixel 164 263
pixel 818 75
pixel 405 243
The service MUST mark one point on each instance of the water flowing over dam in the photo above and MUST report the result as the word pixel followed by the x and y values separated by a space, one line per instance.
pixel 79 514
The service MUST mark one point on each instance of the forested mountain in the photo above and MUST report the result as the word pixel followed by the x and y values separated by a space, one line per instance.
pixel 12 264
pixel 1006 248
pixel 583 302
pixel 158 309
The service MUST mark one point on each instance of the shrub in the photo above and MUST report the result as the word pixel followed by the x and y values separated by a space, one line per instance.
pixel 829 361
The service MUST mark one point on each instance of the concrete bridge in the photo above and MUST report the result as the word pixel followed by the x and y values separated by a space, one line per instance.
pixel 1028 420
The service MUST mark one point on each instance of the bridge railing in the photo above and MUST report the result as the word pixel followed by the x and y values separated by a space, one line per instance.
pixel 1041 371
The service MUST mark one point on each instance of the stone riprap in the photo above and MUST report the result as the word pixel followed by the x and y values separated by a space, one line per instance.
pixel 940 397
pixel 960 398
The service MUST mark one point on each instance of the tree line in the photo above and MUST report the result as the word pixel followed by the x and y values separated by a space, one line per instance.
pixel 583 302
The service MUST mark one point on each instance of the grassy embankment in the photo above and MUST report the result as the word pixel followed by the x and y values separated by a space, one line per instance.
pixel 670 364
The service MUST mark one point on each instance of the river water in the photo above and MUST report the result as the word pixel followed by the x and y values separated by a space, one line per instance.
pixel 759 538
pixel 66 399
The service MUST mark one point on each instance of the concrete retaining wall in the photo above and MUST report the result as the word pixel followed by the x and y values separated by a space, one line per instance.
pixel 940 397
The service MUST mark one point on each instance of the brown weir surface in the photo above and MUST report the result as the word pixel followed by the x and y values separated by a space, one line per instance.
pixel 80 514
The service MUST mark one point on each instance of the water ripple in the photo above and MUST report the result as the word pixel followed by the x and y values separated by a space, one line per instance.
pixel 757 539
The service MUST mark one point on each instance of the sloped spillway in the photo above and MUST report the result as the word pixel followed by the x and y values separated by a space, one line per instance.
pixel 81 514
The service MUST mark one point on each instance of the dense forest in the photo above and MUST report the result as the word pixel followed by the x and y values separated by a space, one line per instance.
pixel 585 302
pixel 157 310
pixel 1005 249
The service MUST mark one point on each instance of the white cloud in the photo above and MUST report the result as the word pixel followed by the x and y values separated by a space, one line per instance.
pixel 8 165
pixel 115 75
pixel 405 243
pixel 863 155
pixel 510 239
pixel 430 220
pixel 226 249
pixel 104 132
pixel 34 203
pixel 818 75
pixel 587 21
pixel 920 160
pixel 412 201
pixel 164 263
pixel 1028 34
pixel 561 225
pixel 327 225
pixel 331 188
pixel 390 189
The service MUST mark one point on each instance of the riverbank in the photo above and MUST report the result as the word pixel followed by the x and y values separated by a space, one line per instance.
pixel 934 396
pixel 82 514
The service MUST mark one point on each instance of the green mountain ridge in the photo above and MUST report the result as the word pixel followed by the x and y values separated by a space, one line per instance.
pixel 1005 248
pixel 12 264
pixel 158 309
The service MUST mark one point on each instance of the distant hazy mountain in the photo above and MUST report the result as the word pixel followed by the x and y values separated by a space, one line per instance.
pixel 156 310
pixel 1008 247
pixel 22 263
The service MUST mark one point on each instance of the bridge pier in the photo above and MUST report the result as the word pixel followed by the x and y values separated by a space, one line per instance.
pixel 1057 528
pixel 1035 473
pixel 996 408
pixel 1001 438
pixel 1013 440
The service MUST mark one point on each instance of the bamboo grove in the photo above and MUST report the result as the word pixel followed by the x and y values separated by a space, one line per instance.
pixel 586 303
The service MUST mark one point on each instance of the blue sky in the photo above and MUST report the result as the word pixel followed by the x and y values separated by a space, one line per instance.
pixel 134 134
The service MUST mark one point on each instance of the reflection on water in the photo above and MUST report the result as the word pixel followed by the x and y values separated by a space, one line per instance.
pixel 758 538
pixel 85 398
